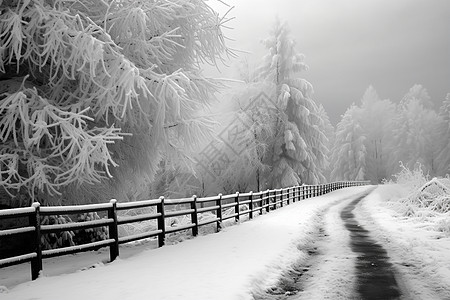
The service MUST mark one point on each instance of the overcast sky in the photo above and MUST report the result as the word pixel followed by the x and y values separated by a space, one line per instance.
pixel 350 44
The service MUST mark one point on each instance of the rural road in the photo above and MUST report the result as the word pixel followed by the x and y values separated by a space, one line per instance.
pixel 344 262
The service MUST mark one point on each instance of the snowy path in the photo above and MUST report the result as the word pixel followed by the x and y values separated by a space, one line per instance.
pixel 414 257
pixel 375 273
pixel 233 264
pixel 346 262
pixel 420 254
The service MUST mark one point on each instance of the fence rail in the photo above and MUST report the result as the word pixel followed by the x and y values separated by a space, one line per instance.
pixel 243 204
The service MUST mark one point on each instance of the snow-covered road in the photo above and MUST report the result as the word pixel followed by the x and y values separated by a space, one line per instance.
pixel 252 260
pixel 232 264
pixel 419 250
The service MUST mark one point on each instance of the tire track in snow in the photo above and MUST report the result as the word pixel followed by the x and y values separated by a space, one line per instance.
pixel 375 274
pixel 327 271
pixel 416 281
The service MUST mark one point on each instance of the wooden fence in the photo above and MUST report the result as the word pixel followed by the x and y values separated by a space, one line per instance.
pixel 250 204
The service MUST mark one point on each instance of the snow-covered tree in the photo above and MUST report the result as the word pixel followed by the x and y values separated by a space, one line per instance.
pixel 414 134
pixel 299 148
pixel 376 120
pixel 329 132
pixel 419 93
pixel 94 93
pixel 443 139
pixel 349 152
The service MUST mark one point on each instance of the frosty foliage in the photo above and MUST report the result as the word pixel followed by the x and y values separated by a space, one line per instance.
pixel 298 152
pixel 376 119
pixel 349 153
pixel 413 178
pixel 414 132
pixel 67 238
pixel 443 157
pixel 411 132
pixel 249 169
pixel 427 200
pixel 94 90
pixel 56 240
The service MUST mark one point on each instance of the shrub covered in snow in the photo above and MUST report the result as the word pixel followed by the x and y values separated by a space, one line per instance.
pixel 56 239
pixel 426 201
pixel 413 179
pixel 68 238
pixel 89 235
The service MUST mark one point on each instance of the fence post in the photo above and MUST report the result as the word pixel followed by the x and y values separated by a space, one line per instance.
pixel 35 220
pixel 293 193
pixel 274 195
pixel 288 196
pixel 261 203
pixel 236 207
pixel 250 205
pixel 161 222
pixel 268 200
pixel 113 231
pixel 219 212
pixel 194 216
pixel 281 197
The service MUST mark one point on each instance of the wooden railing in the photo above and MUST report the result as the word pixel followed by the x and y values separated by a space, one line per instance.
pixel 248 204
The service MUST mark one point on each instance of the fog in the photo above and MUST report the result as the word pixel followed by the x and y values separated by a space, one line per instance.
pixel 351 44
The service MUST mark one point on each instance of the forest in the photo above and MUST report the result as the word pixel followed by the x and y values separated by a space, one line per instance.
pixel 108 99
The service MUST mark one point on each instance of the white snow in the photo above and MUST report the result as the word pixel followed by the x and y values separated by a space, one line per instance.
pixel 419 251
pixel 248 258
pixel 75 208
pixel 227 265
pixel 17 211
pixel 331 276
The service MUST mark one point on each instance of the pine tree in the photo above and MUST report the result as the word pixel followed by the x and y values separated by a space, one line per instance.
pixel 329 131
pixel 414 134
pixel 420 93
pixel 376 120
pixel 349 152
pixel 443 140
pixel 95 93
pixel 299 149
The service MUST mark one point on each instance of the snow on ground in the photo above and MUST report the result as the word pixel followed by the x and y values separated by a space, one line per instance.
pixel 332 275
pixel 244 260
pixel 418 249
pixel 228 265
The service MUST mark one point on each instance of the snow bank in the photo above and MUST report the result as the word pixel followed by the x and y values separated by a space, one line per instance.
pixel 227 265
pixel 418 248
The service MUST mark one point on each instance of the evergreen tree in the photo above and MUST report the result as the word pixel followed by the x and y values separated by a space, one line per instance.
pixel 329 131
pixel 443 158
pixel 95 93
pixel 298 154
pixel 414 134
pixel 376 120
pixel 419 93
pixel 349 152
pixel 252 125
